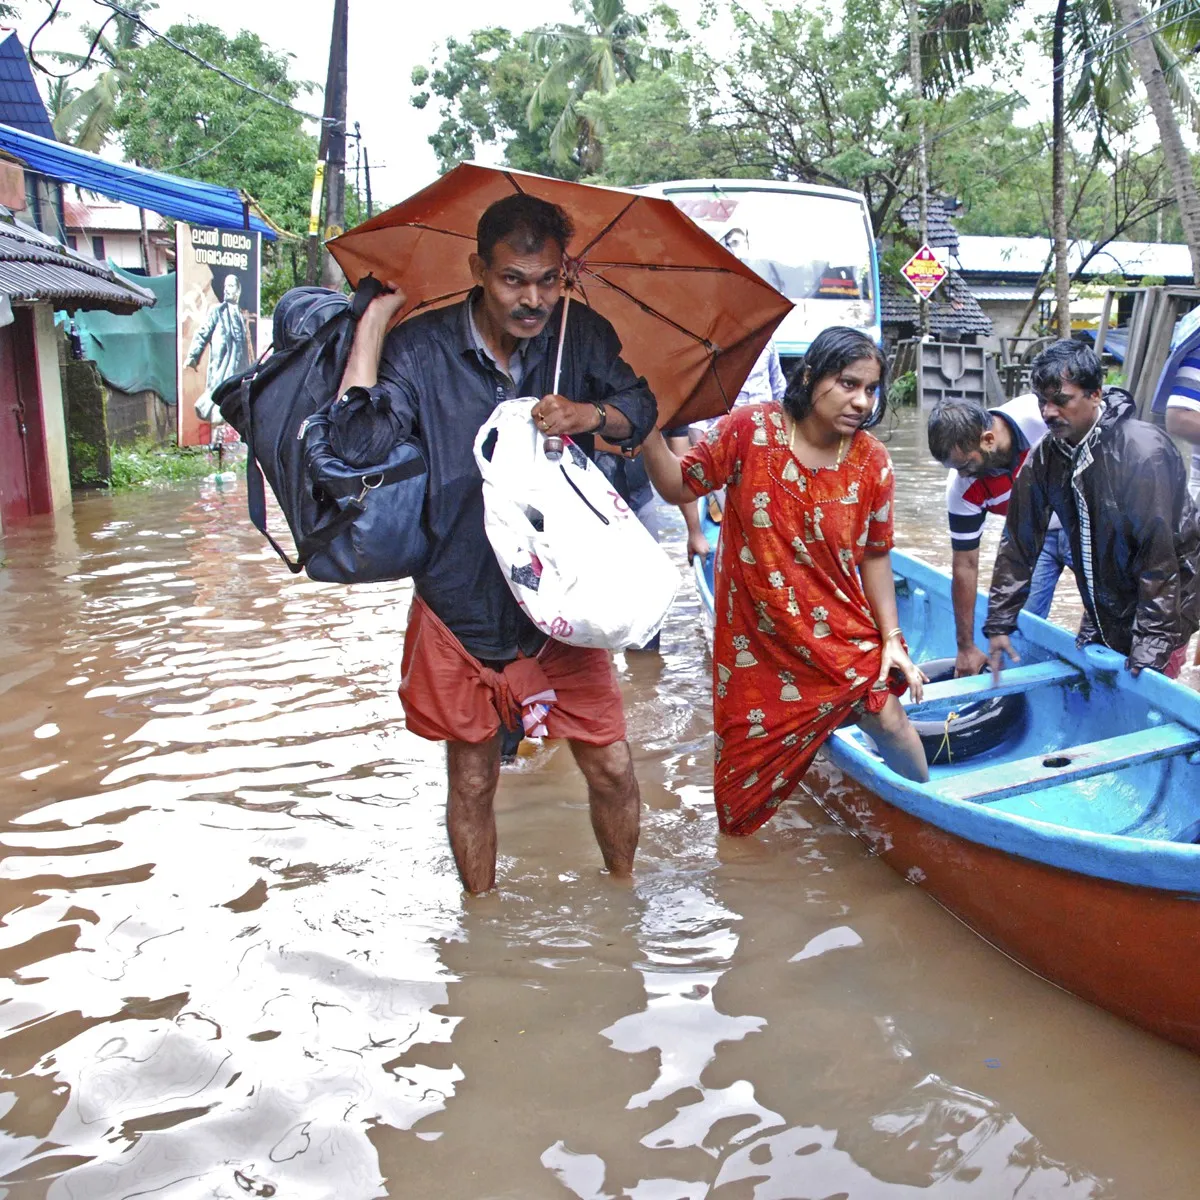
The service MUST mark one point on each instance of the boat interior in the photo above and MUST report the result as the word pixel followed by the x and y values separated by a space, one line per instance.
pixel 1084 750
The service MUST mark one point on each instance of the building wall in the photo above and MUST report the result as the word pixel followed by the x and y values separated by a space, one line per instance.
pixel 121 246
pixel 53 412
pixel 1005 315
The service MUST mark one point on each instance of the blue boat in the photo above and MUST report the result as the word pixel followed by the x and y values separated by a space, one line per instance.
pixel 1071 843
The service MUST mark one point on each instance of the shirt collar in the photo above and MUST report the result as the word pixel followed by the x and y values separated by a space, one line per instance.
pixel 532 350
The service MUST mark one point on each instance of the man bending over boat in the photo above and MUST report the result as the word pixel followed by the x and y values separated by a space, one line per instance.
pixel 983 449
pixel 1119 488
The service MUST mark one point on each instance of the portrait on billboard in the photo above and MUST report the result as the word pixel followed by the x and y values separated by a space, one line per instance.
pixel 217 302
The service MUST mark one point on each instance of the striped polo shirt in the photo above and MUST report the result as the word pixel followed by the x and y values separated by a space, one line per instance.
pixel 1185 393
pixel 968 501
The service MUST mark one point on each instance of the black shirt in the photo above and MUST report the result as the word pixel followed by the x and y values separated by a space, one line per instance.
pixel 438 379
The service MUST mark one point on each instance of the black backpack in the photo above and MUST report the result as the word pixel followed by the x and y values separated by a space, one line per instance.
pixel 351 524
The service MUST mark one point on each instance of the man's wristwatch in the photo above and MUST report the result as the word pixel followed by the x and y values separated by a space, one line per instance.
pixel 602 412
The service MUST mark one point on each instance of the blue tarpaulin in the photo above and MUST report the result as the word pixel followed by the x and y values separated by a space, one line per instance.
pixel 171 195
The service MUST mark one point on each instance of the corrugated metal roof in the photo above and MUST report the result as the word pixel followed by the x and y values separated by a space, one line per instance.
pixel 953 310
pixel 33 268
pixel 172 195
pixel 984 294
pixel 20 101
pixel 979 255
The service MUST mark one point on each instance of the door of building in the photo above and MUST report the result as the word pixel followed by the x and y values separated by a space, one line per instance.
pixel 24 470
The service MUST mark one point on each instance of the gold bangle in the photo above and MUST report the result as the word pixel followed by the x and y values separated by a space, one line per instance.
pixel 891 633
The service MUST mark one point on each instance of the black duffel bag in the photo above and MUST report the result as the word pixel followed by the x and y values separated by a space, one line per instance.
pixel 350 523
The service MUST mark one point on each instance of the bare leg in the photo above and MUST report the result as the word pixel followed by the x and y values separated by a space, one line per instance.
pixel 893 733
pixel 474 770
pixel 614 800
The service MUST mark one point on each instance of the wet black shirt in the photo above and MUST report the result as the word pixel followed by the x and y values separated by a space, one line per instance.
pixel 436 377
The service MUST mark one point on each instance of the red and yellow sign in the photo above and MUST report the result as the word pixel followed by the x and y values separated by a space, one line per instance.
pixel 924 272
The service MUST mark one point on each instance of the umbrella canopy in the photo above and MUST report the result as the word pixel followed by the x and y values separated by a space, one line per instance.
pixel 692 318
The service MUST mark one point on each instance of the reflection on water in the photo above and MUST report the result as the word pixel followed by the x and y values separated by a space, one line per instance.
pixel 239 964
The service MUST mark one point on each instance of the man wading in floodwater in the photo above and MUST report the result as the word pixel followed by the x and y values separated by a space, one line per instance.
pixel 470 653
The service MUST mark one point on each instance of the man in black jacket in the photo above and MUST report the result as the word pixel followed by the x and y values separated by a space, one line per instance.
pixel 471 654
pixel 1119 487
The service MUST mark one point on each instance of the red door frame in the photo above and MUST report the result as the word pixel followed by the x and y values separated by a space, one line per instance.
pixel 21 400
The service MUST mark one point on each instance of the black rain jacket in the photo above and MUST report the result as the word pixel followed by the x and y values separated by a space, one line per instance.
pixel 443 388
pixel 1135 536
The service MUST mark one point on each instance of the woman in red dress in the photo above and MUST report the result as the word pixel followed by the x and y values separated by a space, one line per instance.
pixel 806 633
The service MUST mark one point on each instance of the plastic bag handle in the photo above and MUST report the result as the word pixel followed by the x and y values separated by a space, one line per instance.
pixel 492 424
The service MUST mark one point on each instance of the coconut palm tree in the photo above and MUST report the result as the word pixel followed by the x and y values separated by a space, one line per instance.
pixel 594 56
pixel 1163 79
pixel 85 120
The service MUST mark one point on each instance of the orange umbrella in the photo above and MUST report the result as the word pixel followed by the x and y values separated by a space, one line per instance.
pixel 692 318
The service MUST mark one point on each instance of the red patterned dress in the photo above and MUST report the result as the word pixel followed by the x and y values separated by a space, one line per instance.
pixel 796 649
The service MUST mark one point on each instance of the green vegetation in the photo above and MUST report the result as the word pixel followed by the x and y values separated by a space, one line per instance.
pixel 146 464
pixel 902 390
pixel 174 115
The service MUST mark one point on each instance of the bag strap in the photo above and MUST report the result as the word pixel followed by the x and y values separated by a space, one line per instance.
pixel 256 496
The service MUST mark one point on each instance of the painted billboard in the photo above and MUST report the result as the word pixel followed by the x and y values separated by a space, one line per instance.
pixel 218 273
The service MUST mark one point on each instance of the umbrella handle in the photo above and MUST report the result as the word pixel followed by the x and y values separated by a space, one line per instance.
pixel 562 331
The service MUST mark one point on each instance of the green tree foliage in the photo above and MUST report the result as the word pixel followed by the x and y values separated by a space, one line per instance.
pixel 653 131
pixel 484 85
pixel 175 115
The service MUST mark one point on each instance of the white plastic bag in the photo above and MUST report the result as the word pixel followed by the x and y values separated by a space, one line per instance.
pixel 577 559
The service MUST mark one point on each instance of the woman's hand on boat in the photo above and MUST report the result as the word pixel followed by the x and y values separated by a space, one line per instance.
pixel 895 657
pixel 998 647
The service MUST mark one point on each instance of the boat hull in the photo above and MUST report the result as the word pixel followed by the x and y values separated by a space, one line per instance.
pixel 1134 951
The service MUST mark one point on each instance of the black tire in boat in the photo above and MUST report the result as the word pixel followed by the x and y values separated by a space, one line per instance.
pixel 978 727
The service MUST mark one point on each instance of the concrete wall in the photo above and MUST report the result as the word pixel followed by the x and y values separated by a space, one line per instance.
pixel 134 415
pixel 53 412
pixel 1005 315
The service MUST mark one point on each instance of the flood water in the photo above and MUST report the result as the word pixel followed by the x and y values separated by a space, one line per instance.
pixel 237 962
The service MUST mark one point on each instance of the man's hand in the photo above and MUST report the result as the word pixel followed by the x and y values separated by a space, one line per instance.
pixel 383 309
pixel 970 660
pixel 697 546
pixel 998 647
pixel 556 415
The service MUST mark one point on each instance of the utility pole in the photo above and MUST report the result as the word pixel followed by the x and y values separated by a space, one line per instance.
pixel 367 174
pixel 914 68
pixel 333 142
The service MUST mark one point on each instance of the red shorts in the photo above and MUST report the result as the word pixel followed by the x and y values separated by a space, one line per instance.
pixel 1176 662
pixel 449 696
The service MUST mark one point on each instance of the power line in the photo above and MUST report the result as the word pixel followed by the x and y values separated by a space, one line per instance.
pixel 87 59
pixel 189 53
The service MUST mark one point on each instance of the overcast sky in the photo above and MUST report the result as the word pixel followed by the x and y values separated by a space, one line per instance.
pixel 387 39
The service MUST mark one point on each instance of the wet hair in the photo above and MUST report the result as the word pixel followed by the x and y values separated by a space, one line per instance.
pixel 831 352
pixel 956 425
pixel 523 222
pixel 1062 362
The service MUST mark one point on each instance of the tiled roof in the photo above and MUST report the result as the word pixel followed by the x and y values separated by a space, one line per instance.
pixel 941 228
pixel 34 267
pixel 20 101
pixel 952 310
pixel 107 216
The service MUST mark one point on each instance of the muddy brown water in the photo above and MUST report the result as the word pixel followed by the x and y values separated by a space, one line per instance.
pixel 236 961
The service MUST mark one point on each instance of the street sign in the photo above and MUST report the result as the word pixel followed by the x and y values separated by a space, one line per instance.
pixel 924 272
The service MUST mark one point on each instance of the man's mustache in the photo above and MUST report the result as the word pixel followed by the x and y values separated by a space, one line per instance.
pixel 521 313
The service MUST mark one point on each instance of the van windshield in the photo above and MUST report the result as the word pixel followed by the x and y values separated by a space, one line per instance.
pixel 807 246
